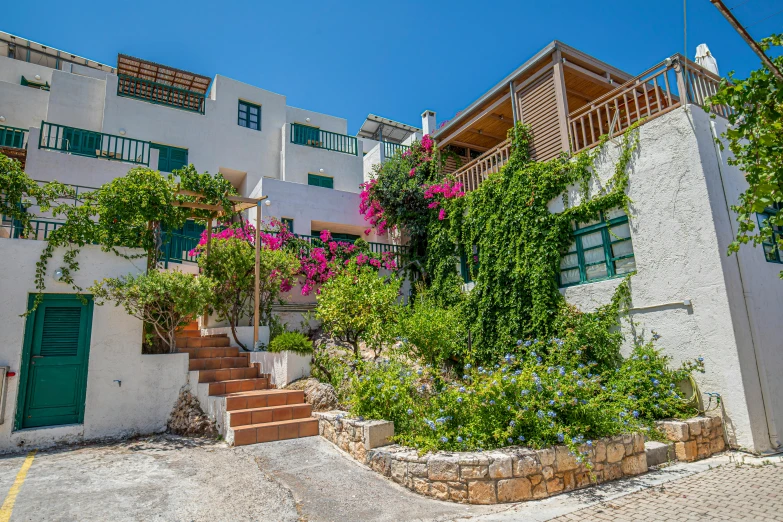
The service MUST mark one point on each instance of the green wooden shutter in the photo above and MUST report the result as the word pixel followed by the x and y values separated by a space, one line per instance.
pixel 320 181
pixel 60 333
pixel 170 158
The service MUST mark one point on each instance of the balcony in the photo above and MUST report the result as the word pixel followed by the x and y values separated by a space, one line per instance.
pixel 321 139
pixel 390 149
pixel 81 142
pixel 644 97
pixel 13 143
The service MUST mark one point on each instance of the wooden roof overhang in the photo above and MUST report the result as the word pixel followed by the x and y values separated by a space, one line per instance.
pixel 485 122
pixel 146 70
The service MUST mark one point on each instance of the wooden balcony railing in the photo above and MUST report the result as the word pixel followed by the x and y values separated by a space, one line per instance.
pixel 160 93
pixel 653 93
pixel 475 171
pixel 13 137
pixel 390 149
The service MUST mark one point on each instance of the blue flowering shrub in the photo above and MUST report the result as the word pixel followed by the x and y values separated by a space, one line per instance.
pixel 543 393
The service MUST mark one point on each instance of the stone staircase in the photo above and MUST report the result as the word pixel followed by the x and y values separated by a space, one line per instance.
pixel 245 407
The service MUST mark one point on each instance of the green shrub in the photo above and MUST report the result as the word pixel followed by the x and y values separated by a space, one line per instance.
pixel 432 332
pixel 542 394
pixel 291 342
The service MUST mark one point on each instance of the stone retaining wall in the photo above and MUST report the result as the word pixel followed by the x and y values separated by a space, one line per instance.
pixel 510 474
pixel 696 438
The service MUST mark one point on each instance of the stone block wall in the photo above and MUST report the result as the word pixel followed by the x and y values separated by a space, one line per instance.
pixel 695 438
pixel 510 474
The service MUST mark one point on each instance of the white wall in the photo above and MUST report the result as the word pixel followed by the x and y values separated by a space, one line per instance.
pixel 150 383
pixel 674 214
pixel 322 205
pixel 299 160
pixel 49 165
pixel 76 101
pixel 317 119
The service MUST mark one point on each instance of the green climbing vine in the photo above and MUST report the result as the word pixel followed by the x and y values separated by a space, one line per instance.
pixel 513 244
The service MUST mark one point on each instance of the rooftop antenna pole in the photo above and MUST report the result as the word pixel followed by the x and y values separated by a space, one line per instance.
pixel 728 15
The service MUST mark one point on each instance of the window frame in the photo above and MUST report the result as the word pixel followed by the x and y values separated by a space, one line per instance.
pixel 248 105
pixel 311 176
pixel 288 222
pixel 607 242
pixel 777 232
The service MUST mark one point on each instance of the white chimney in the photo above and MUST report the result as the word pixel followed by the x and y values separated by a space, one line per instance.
pixel 428 122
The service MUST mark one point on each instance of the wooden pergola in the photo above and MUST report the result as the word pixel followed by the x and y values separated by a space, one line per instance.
pixel 239 204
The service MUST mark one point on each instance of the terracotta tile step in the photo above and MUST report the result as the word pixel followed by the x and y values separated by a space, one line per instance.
pixel 237 385
pixel 212 352
pixel 269 414
pixel 201 342
pixel 216 363
pixel 263 399
pixel 290 429
pixel 227 374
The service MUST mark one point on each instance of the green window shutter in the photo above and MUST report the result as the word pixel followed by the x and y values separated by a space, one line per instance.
pixel 170 158
pixel 60 333
pixel 320 181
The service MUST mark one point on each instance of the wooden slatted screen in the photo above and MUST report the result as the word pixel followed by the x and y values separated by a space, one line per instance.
pixel 538 108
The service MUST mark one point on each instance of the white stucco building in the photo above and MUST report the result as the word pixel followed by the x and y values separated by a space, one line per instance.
pixel 85 123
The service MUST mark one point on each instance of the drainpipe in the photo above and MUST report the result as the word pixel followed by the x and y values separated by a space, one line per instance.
pixel 768 415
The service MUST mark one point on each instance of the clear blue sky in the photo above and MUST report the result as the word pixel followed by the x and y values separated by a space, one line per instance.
pixel 389 58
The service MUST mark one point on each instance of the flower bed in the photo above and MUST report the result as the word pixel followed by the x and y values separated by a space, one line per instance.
pixel 514 473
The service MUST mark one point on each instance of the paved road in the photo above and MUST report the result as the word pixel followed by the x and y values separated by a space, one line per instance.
pixel 730 492
pixel 171 478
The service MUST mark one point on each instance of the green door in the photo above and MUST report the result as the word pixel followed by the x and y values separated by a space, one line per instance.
pixel 53 377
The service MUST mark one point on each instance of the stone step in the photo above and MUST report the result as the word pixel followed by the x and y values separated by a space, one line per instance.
pixel 202 342
pixel 227 374
pixel 188 333
pixel 268 432
pixel 212 352
pixel 216 363
pixel 237 385
pixel 263 399
pixel 286 412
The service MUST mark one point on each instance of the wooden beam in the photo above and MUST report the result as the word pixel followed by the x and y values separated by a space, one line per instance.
pixel 589 75
pixel 538 74
pixel 200 206
pixel 479 116
pixel 562 100
pixel 480 148
pixel 240 199
pixel 257 280
pixel 484 134
pixel 183 192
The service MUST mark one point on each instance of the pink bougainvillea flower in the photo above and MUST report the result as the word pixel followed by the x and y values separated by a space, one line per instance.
pixel 326 235
pixel 412 173
pixel 442 214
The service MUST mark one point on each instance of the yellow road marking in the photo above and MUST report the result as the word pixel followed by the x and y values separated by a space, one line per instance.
pixel 10 499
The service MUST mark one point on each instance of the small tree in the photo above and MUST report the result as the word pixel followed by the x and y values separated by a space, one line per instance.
pixel 359 306
pixel 166 300
pixel 231 264
pixel 756 140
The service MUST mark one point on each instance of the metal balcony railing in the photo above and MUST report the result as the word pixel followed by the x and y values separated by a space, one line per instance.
pixel 13 137
pixel 93 144
pixel 321 139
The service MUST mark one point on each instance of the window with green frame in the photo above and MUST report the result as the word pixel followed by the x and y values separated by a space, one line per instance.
pixel 468 269
pixel 601 249
pixel 320 181
pixel 170 158
pixel 289 224
pixel 771 250
pixel 249 115
pixel 337 236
